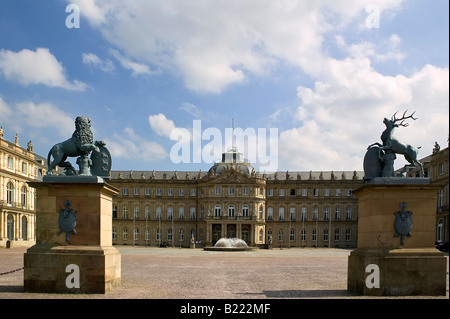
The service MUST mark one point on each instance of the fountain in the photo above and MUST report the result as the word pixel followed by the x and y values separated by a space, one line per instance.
pixel 229 244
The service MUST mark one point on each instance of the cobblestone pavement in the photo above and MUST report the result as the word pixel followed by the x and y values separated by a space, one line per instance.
pixel 174 273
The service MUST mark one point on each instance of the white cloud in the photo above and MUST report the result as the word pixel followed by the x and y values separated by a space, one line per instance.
pixel 161 125
pixel 214 44
pixel 36 67
pixel 94 61
pixel 134 67
pixel 129 145
pixel 343 114
pixel 191 109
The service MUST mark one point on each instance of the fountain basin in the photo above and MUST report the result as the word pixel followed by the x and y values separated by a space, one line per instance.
pixel 229 244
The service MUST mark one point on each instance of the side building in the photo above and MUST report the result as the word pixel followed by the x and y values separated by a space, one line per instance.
pixel 17 200
pixel 288 209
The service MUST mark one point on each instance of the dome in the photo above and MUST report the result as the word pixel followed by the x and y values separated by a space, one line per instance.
pixel 232 160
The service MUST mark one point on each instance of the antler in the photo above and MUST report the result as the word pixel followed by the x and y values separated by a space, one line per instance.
pixel 403 118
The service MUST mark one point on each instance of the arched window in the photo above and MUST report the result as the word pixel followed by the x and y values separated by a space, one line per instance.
pixel 245 210
pixel 23 196
pixel 9 193
pixel 217 211
pixel 230 210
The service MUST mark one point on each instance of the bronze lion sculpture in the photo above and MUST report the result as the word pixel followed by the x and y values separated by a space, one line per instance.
pixel 81 143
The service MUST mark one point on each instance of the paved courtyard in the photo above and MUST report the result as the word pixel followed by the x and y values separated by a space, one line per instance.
pixel 174 273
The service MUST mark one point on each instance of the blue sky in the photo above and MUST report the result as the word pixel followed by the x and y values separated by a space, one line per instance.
pixel 317 71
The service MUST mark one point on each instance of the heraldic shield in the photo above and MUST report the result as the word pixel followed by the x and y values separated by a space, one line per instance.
pixel 403 223
pixel 67 220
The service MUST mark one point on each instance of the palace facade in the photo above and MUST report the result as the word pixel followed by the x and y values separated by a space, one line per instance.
pixel 288 209
pixel 17 200
pixel 153 208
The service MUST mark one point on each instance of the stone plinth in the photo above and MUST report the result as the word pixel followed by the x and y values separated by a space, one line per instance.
pixel 414 268
pixel 90 249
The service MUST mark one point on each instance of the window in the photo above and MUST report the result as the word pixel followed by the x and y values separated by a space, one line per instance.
pixel 169 213
pixel 181 235
pixel 261 212
pixel 125 191
pixel 338 192
pixel 231 211
pixel 181 213
pixel 304 211
pixel 281 192
pixel 281 213
pixel 147 212
pixel 292 213
pixel 325 235
pixel 147 192
pixel 439 233
pixel 304 192
pixel 125 234
pixel 24 167
pixel 136 212
pixel 136 191
pixel 245 210
pixel 158 212
pixel 337 234
pixel 158 234
pixel 136 233
pixel 315 213
pixel 348 213
pixel 314 235
pixel 337 213
pixel 217 211
pixel 193 192
pixel 261 191
pixel 169 235
pixel 292 235
pixel 181 192
pixel 270 192
pixel 23 196
pixel 218 190
pixel 261 234
pixel 170 192
pixel 326 213
pixel 231 190
pixel 292 191
pixel 269 213
pixel 192 213
pixel 24 228
pixel 347 235
pixel 441 169
pixel 10 162
pixel 281 235
pixel 326 192
pixel 114 212
pixel 315 192
pixel 147 234
pixel 440 198
pixel 114 233
pixel 125 212
pixel 348 192
pixel 158 192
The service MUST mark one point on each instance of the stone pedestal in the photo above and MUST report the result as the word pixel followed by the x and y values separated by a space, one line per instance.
pixel 88 263
pixel 381 265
